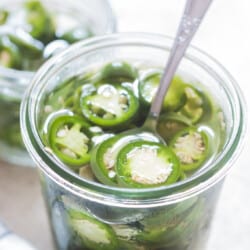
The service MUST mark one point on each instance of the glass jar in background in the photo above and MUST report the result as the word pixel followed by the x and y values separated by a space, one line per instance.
pixel 95 16
pixel 88 215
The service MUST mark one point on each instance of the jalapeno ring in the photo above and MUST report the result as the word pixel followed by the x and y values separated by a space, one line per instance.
pixel 171 123
pixel 110 106
pixel 68 137
pixel 103 161
pixel 197 106
pixel 148 86
pixel 40 21
pixel 118 72
pixel 191 147
pixel 3 16
pixel 76 34
pixel 93 233
pixel 9 54
pixel 145 164
pixel 104 156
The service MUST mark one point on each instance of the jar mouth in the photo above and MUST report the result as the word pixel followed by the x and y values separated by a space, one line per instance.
pixel 193 185
pixel 27 74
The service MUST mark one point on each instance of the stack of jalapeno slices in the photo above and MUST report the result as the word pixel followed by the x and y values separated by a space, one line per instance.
pixel 31 34
pixel 85 115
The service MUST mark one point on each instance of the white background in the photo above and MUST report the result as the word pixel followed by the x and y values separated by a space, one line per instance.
pixel 225 34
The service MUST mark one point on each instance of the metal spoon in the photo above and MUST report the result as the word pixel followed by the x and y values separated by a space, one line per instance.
pixel 193 14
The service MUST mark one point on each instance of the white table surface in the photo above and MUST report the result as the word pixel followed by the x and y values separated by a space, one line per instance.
pixel 225 34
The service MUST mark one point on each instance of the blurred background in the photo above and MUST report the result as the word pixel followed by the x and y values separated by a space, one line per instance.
pixel 225 34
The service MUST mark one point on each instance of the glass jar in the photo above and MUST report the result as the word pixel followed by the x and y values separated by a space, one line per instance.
pixel 96 14
pixel 89 215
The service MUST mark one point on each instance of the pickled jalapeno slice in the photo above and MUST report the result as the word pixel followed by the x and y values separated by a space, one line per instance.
pixel 191 147
pixel 68 137
pixel 104 157
pixel 197 104
pixel 148 86
pixel 103 160
pixel 118 72
pixel 93 233
pixel 3 16
pixel 29 46
pixel 40 22
pixel 109 105
pixel 175 97
pixel 67 95
pixel 76 34
pixel 9 54
pixel 170 123
pixel 146 164
pixel 193 106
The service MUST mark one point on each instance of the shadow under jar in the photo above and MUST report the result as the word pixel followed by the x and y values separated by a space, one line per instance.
pixel 31 31
pixel 87 214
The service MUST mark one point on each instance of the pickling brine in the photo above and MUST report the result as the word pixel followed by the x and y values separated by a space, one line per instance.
pixel 85 115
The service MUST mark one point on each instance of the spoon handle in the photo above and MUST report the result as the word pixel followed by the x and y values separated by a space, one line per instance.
pixel 191 18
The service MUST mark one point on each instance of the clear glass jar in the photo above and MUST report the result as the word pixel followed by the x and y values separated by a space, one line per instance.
pixel 96 14
pixel 177 216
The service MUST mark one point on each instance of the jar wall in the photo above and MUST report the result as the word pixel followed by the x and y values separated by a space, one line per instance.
pixel 183 225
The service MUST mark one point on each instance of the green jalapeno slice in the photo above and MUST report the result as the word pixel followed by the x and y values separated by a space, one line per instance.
pixel 40 21
pixel 4 14
pixel 104 156
pixel 197 105
pixel 109 106
pixel 191 147
pixel 170 123
pixel 183 176
pixel 29 46
pixel 174 227
pixel 93 233
pixel 76 34
pixel 193 106
pixel 9 54
pixel 148 86
pixel 116 72
pixel 103 159
pixel 67 95
pixel 146 164
pixel 175 97
pixel 69 139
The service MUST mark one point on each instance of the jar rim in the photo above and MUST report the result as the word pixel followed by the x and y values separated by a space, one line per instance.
pixel 131 196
